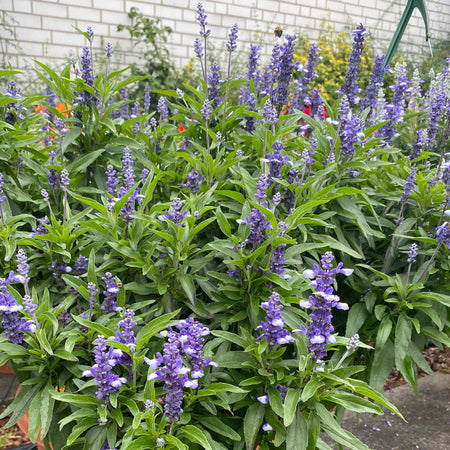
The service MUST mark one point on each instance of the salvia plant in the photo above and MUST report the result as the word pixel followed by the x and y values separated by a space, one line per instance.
pixel 219 274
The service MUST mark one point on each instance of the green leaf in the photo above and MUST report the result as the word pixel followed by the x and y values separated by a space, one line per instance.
pixel 71 135
pixel 231 337
pixel 81 163
pixel 34 417
pixel 313 430
pixel 276 402
pixel 100 329
pixel 356 318
pixel 63 354
pixel 172 440
pixel 152 328
pixel 80 428
pixel 403 332
pixel 290 405
pixel 364 389
pixel 194 434
pixel 297 433
pixel 352 402
pixel 215 388
pixel 311 387
pixel 76 399
pixel 216 425
pixel 384 331
pixel 223 222
pixel 46 407
pixel 90 202
pixel 382 365
pixel 437 335
pixel 20 404
pixel 187 283
pixel 332 427
pixel 232 360
pixel 95 438
pixel 252 424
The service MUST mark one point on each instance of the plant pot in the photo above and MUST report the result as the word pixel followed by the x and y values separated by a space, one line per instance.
pixel 7 369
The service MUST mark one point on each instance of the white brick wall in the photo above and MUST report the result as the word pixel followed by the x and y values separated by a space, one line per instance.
pixel 57 39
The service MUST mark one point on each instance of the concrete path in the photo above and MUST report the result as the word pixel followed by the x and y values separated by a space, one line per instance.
pixel 428 418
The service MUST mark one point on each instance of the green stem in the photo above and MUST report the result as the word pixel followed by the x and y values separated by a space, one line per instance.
pixel 65 208
pixel 429 263
pixel 207 136
pixel 344 356
pixel 105 84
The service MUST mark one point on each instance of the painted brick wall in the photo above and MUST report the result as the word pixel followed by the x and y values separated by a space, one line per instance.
pixel 44 29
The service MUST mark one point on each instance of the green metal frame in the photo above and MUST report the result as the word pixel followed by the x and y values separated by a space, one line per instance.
pixel 412 4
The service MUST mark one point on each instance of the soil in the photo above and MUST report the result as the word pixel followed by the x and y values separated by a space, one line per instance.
pixel 439 361
pixel 15 437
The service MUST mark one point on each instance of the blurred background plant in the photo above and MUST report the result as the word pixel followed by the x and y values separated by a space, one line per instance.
pixel 150 37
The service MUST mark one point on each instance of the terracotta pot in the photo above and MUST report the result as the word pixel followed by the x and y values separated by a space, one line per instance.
pixel 7 369
pixel 23 425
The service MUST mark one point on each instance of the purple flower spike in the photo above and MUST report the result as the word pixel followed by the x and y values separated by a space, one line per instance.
pixel 110 293
pixel 286 66
pixel 90 33
pixel 162 109
pixel 443 234
pixel 109 49
pixel 2 193
pixel 277 160
pixel 175 216
pixel 409 186
pixel 206 110
pixel 214 87
pixel 182 355
pixel 320 330
pixel 269 113
pixel 12 323
pixel 28 305
pixel 146 98
pixel 349 87
pixel 394 109
pixel 302 84
pixel 87 75
pixel 201 17
pixel 22 264
pixel 65 180
pixel 126 336
pixel 412 253
pixel 253 72
pixel 277 258
pixel 80 266
pixel 376 81
pixel 193 181
pixel 112 180
pixel 198 47
pixel 92 291
pixel 273 327
pixel 232 38
pixel 262 184
pixel 105 360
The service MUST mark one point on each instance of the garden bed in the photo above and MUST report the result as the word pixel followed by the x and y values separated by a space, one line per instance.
pixel 439 361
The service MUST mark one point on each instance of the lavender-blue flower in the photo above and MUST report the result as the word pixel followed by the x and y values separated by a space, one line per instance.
pixel 349 86
pixel 273 326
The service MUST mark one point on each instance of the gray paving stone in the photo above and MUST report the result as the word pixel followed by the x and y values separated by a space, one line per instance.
pixel 427 415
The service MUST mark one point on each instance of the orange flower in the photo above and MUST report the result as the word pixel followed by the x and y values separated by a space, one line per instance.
pixel 38 109
pixel 181 128
pixel 63 109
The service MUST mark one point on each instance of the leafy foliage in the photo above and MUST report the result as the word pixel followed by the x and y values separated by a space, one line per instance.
pixel 171 218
